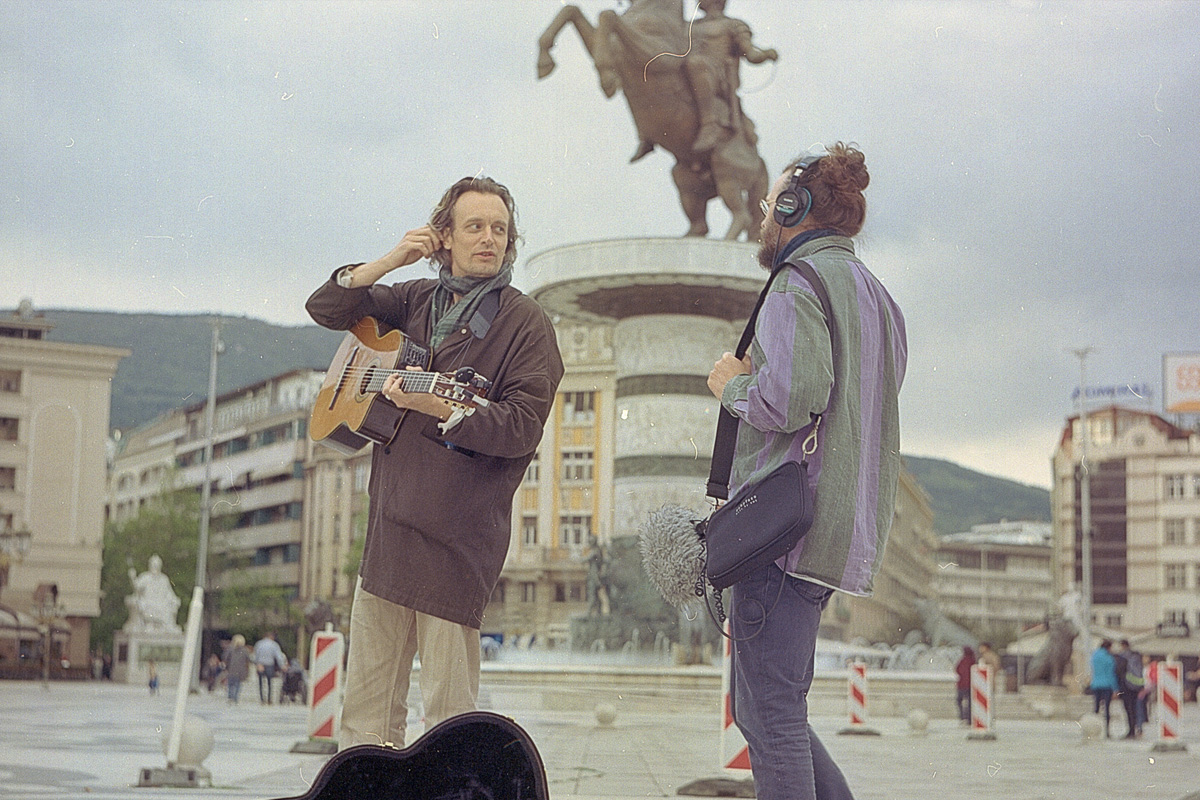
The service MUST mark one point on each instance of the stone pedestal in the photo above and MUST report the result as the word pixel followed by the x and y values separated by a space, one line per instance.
pixel 133 650
pixel 1055 702
pixel 674 306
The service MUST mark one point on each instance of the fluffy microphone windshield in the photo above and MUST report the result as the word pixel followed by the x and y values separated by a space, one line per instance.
pixel 673 554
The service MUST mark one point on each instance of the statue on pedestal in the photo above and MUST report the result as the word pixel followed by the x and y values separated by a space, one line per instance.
pixel 153 605
pixel 680 81
pixel 1049 664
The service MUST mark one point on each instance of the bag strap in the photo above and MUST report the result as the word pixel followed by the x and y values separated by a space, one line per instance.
pixel 723 445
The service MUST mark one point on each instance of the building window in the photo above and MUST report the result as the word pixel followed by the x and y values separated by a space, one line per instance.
pixel 968 559
pixel 1174 531
pixel 362 473
pixel 1176 487
pixel 574 530
pixel 528 592
pixel 1113 620
pixel 529 531
pixel 8 429
pixel 1175 617
pixel 8 478
pixel 997 562
pixel 1175 576
pixel 560 593
pixel 577 465
pixel 533 471
pixel 10 381
pixel 579 407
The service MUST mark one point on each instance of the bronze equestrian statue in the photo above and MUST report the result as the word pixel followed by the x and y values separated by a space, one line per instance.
pixel 680 81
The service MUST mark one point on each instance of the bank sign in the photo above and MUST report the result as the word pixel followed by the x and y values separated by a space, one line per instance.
pixel 1181 383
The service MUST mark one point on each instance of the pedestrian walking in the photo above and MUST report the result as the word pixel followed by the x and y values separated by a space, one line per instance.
pixel 962 688
pixel 1130 682
pixel 237 666
pixel 1104 681
pixel 268 659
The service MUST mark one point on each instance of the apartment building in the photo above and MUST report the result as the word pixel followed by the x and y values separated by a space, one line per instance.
pixel 258 478
pixel 54 411
pixel 996 579
pixel 1144 484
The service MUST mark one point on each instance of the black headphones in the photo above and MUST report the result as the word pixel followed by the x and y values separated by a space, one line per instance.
pixel 795 201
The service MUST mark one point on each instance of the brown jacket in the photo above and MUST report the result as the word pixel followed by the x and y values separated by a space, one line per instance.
pixel 440 516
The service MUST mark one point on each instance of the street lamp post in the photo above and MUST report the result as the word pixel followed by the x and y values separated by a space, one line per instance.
pixel 1085 501
pixel 49 611
pixel 175 773
pixel 206 488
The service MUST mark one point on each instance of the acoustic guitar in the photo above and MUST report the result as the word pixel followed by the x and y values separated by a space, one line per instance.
pixel 350 413
pixel 473 756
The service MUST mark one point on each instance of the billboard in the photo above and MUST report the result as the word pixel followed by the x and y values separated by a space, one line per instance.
pixel 1181 383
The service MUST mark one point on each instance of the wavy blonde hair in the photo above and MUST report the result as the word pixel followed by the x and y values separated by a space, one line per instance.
pixel 442 218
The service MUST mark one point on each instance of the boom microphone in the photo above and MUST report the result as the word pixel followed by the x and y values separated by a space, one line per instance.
pixel 673 554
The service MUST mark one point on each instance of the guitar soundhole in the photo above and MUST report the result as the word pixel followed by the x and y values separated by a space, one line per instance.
pixel 369 382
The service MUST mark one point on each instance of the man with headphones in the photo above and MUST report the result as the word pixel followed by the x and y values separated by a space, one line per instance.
pixel 845 367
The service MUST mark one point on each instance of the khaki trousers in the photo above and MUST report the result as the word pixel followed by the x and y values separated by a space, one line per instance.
pixel 384 637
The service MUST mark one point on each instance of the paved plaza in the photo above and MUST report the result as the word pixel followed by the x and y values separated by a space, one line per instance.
pixel 78 740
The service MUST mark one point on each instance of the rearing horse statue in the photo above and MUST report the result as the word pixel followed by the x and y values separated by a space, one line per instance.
pixel 644 52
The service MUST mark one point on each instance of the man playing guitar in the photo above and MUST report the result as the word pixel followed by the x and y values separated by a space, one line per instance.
pixel 442 485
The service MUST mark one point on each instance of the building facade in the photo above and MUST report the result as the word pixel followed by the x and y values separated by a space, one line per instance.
pixel 995 580
pixel 54 411
pixel 1144 482
pixel 563 512
pixel 259 481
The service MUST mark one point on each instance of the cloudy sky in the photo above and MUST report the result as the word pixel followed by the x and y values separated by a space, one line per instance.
pixel 1035 168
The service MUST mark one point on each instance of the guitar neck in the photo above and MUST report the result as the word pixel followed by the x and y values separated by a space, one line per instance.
pixel 411 381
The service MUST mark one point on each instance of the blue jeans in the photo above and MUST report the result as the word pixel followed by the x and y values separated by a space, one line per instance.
pixel 772 668
pixel 264 682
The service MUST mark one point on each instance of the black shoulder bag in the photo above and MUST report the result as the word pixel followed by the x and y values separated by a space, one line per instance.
pixel 766 519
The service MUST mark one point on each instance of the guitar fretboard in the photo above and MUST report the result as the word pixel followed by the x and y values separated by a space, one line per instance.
pixel 373 379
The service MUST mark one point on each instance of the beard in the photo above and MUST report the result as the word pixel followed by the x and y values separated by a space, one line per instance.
pixel 768 246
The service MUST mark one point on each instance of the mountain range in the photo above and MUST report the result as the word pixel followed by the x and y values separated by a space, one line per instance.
pixel 168 368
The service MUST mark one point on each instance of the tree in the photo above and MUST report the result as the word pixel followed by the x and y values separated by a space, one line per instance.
pixel 166 526
pixel 253 609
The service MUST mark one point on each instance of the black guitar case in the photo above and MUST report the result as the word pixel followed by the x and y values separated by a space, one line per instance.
pixel 474 756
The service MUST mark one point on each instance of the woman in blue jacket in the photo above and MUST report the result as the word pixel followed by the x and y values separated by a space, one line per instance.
pixel 1104 680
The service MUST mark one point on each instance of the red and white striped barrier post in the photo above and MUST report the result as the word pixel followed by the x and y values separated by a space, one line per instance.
pixel 981 703
pixel 735 754
pixel 1170 695
pixel 857 701
pixel 325 693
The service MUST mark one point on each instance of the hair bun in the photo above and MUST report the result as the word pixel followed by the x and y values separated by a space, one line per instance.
pixel 845 169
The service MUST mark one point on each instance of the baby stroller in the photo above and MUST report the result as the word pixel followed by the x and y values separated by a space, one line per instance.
pixel 295 688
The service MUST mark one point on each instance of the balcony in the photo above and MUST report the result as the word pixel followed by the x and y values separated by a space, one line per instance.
pixel 269 575
pixel 275 494
pixel 273 534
